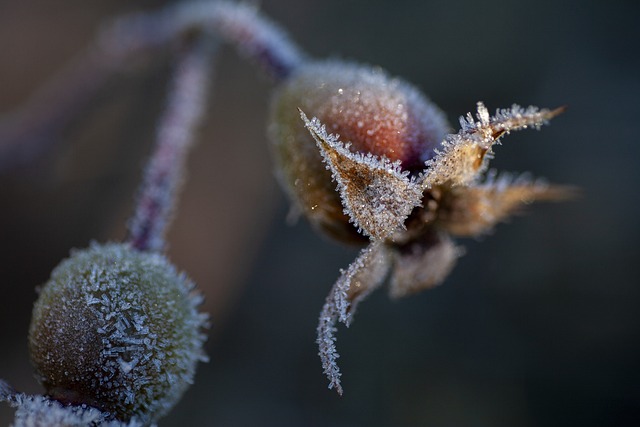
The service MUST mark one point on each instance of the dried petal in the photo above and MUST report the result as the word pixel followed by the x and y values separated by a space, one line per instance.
pixel 376 194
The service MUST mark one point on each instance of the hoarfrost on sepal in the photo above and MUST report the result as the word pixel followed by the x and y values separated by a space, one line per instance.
pixel 476 209
pixel 364 275
pixel 376 193
pixel 463 156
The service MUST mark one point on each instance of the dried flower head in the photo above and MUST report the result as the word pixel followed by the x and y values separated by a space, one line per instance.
pixel 392 175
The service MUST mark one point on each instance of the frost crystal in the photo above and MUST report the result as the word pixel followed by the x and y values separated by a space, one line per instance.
pixel 377 195
pixel 464 155
pixel 36 411
pixel 6 391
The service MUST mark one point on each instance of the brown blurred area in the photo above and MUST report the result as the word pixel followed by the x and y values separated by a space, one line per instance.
pixel 537 325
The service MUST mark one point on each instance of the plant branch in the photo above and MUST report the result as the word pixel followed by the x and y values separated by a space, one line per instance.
pixel 175 135
pixel 36 126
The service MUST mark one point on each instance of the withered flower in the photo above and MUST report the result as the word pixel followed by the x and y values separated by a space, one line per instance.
pixel 395 185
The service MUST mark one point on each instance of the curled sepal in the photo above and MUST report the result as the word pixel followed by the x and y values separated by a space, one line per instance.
pixel 364 275
pixel 464 155
pixel 376 194
pixel 423 265
pixel 477 209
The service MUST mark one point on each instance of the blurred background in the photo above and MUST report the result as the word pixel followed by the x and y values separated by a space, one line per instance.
pixel 537 326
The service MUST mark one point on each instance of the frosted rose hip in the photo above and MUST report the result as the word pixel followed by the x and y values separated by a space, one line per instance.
pixel 375 113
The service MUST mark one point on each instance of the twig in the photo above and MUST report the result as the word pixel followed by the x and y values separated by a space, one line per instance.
pixel 35 127
pixel 165 170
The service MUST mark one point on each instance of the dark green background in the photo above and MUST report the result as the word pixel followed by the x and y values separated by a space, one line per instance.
pixel 537 326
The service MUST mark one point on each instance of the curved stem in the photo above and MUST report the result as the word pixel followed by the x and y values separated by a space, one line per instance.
pixel 34 127
pixel 175 135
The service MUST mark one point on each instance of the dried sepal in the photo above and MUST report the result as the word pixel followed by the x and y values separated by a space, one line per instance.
pixel 476 210
pixel 365 274
pixel 464 155
pixel 423 265
pixel 376 193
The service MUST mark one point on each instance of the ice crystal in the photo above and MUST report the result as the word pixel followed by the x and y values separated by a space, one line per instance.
pixel 117 329
pixel 6 391
pixel 40 411
pixel 376 194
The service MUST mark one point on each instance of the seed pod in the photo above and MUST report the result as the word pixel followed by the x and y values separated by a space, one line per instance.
pixel 117 329
pixel 373 112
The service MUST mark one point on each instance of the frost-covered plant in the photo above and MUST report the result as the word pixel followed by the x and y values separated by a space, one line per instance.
pixel 375 166
pixel 389 173
pixel 115 335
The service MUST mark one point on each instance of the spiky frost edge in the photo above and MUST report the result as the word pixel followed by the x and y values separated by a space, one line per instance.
pixel 6 391
pixel 406 191
pixel 36 410
pixel 338 307
pixel 464 155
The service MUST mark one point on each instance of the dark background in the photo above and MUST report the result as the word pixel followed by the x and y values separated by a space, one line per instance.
pixel 537 326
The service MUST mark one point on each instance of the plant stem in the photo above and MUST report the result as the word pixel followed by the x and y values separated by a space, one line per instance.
pixel 35 127
pixel 165 170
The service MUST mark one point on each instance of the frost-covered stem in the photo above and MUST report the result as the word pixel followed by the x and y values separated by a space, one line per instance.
pixel 255 36
pixel 31 129
pixel 327 342
pixel 165 170
pixel 241 25
pixel 363 276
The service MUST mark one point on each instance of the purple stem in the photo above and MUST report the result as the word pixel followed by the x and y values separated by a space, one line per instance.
pixel 32 129
pixel 164 173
